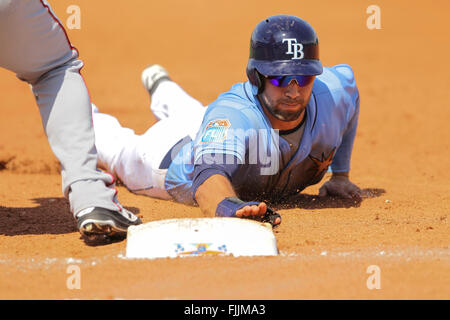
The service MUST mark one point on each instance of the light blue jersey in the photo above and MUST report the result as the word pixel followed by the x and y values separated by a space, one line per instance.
pixel 236 126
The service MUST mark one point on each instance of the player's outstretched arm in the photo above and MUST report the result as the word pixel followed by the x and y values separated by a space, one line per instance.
pixel 212 191
pixel 340 185
pixel 217 188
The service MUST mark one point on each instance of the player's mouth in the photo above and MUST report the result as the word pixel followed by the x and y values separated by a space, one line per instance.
pixel 290 105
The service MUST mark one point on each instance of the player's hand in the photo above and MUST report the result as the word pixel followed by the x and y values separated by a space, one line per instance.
pixel 255 212
pixel 340 186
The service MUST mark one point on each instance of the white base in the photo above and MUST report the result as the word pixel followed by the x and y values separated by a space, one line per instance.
pixel 200 236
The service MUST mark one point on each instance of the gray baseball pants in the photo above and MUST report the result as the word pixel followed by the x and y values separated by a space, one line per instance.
pixel 34 45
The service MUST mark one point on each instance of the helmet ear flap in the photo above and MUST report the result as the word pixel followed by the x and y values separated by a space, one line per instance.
pixel 257 79
pixel 260 81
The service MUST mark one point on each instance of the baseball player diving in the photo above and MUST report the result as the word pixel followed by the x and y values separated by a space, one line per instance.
pixel 261 142
pixel 35 46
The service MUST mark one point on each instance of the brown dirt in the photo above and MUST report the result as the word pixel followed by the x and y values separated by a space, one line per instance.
pixel 400 157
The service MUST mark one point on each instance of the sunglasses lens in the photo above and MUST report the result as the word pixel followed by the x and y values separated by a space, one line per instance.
pixel 276 81
pixel 283 81
pixel 303 80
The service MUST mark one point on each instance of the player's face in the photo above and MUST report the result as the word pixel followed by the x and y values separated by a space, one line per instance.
pixel 287 103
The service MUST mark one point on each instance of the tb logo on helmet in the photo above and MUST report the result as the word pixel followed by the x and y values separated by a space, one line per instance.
pixel 294 48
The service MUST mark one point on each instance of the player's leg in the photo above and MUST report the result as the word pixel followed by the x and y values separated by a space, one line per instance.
pixel 120 152
pixel 34 46
pixel 168 99
pixel 140 161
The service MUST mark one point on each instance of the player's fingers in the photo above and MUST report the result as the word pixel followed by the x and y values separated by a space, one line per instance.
pixel 353 192
pixel 255 211
pixel 273 217
pixel 240 213
pixel 323 191
pixel 247 211
pixel 252 211
pixel 277 221
pixel 344 193
pixel 356 194
pixel 262 208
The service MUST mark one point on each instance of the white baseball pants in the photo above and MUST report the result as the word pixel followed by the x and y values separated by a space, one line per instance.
pixel 135 159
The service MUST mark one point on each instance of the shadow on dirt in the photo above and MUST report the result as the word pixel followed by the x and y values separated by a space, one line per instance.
pixel 52 216
pixel 306 201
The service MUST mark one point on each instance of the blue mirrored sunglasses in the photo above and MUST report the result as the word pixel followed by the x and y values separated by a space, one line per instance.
pixel 283 81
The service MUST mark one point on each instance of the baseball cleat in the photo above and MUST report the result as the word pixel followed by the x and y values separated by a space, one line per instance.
pixel 98 223
pixel 152 76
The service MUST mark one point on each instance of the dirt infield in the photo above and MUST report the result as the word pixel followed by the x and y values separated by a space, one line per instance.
pixel 400 159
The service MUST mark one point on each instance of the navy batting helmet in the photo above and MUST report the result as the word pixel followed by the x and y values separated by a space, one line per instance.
pixel 283 45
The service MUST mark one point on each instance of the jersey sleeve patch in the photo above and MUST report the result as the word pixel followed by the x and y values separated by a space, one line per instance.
pixel 216 131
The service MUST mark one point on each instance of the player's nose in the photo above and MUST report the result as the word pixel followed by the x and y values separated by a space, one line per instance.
pixel 293 90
